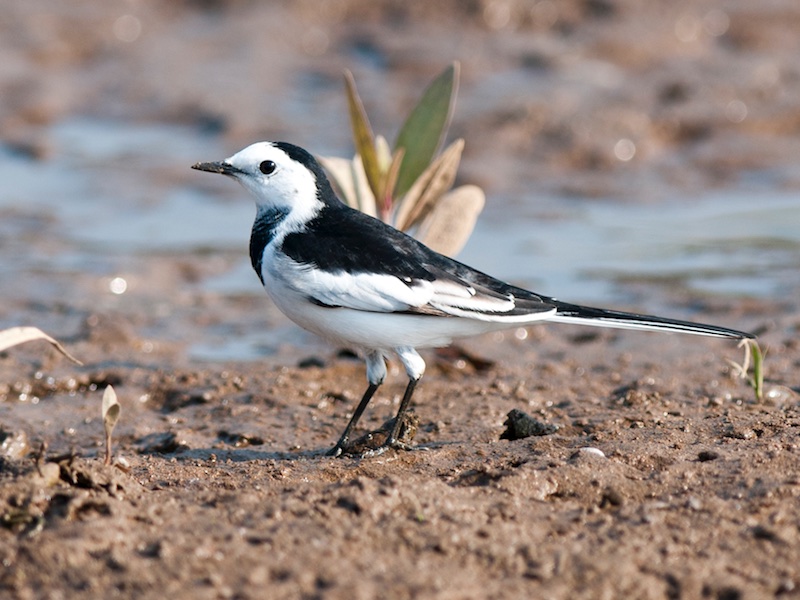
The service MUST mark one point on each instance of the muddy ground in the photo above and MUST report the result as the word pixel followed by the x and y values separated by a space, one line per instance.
pixel 660 476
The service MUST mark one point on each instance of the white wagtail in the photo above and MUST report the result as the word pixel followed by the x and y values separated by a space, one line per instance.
pixel 352 279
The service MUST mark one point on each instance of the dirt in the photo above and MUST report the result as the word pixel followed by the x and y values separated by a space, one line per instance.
pixel 652 471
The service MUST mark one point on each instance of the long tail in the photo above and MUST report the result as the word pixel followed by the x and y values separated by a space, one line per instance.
pixel 586 315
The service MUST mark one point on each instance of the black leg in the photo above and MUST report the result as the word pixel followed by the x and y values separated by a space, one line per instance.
pixel 337 449
pixel 391 441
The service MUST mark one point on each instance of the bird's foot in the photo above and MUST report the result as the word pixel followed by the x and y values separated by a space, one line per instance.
pixel 377 442
pixel 387 445
pixel 398 445
pixel 337 450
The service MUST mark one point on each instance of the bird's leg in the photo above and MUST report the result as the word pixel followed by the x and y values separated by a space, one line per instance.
pixel 391 440
pixel 340 445
pixel 376 373
pixel 415 367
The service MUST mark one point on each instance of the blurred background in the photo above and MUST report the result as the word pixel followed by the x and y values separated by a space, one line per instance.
pixel 636 154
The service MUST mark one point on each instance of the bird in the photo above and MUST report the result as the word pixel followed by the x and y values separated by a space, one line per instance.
pixel 358 282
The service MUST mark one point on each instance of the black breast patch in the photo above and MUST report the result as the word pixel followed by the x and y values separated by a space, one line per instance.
pixel 263 231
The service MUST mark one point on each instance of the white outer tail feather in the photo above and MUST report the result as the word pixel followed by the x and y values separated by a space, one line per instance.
pixel 644 325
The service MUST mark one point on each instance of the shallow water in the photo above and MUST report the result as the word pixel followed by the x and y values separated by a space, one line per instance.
pixel 111 191
pixel 739 242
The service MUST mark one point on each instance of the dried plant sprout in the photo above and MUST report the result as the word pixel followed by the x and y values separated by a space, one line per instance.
pixel 409 186
pixel 110 412
pixel 754 354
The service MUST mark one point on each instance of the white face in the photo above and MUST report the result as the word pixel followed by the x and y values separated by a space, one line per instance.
pixel 275 179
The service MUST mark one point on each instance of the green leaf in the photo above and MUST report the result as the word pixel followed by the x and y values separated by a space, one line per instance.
pixel 758 371
pixel 425 128
pixel 362 135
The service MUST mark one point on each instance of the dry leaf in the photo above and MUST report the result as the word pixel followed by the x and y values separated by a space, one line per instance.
pixel 383 153
pixel 389 182
pixel 350 182
pixel 20 335
pixel 434 181
pixel 448 226
pixel 339 171
pixel 364 195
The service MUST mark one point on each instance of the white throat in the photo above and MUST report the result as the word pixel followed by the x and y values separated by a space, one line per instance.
pixel 291 190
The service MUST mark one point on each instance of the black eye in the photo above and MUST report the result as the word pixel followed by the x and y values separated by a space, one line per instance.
pixel 267 167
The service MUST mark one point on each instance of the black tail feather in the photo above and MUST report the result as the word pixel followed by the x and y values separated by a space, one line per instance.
pixel 587 315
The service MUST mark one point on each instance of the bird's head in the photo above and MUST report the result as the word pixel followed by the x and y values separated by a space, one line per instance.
pixel 279 175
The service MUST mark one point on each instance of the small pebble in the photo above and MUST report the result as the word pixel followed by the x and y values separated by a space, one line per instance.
pixel 590 451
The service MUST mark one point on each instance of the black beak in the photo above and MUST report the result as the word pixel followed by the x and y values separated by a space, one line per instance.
pixel 217 167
